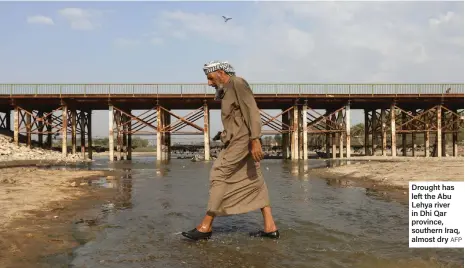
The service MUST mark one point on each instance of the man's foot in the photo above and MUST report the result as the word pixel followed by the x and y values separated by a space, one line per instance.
pixel 273 235
pixel 195 234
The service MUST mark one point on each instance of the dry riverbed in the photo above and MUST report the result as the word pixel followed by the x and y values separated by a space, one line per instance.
pixel 38 208
pixel 395 173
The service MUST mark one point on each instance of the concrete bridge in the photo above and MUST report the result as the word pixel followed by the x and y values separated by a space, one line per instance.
pixel 391 110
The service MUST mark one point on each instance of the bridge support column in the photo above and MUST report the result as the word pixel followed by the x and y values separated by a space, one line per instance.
pixel 404 135
pixel 49 120
pixel 348 147
pixel 119 138
pixel 73 131
pixel 383 131
pixel 206 130
pixel 300 134
pixel 129 127
pixel 367 132
pixel 159 133
pixel 439 132
pixel 163 137
pixel 82 127
pixel 305 131
pixel 427 137
pixel 393 131
pixel 455 149
pixel 285 143
pixel 40 127
pixel 28 129
pixel 444 120
pixel 166 136
pixel 327 134
pixel 64 131
pixel 16 125
pixel 110 135
pixel 340 121
pixel 89 134
pixel 124 119
pixel 295 138
pixel 374 128
pixel 333 138
pixel 414 135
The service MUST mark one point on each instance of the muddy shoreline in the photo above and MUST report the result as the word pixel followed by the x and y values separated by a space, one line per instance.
pixel 41 206
pixel 389 178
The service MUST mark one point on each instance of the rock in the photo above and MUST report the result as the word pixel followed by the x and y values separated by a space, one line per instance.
pixel 73 184
pixel 11 151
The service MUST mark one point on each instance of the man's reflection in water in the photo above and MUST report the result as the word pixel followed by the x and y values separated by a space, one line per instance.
pixel 124 196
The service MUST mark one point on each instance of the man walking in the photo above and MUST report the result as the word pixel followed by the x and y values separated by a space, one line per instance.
pixel 236 182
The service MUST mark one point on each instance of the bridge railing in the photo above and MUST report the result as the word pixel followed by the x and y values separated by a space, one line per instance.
pixel 203 89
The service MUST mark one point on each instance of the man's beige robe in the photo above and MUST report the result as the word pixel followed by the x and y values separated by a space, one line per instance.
pixel 236 181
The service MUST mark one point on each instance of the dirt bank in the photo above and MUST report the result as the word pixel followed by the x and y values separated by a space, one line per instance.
pixel 396 173
pixel 38 207
pixel 9 151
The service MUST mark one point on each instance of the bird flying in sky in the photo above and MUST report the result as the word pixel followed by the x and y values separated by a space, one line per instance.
pixel 226 19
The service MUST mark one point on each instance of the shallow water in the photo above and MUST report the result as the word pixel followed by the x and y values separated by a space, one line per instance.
pixel 321 224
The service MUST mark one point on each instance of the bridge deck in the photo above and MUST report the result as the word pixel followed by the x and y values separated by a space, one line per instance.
pixel 268 96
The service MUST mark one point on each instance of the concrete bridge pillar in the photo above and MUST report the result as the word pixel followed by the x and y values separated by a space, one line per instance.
pixel 111 152
pixel 383 131
pixel 82 126
pixel 206 130
pixel 341 134
pixel 64 131
pixel 89 134
pixel 159 133
pixel 124 119
pixel 163 136
pixel 295 134
pixel 374 128
pixel 286 135
pixel 73 131
pixel 304 130
pixel 393 131
pixel 28 129
pixel 439 139
pixel 348 147
pixel 166 136
pixel 49 130
pixel 333 138
pixel 128 139
pixel 40 128
pixel 367 132
pixel 404 135
pixel 328 134
pixel 455 148
pixel 16 126
pixel 300 134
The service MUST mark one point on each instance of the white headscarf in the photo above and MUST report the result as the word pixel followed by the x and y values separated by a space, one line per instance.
pixel 215 65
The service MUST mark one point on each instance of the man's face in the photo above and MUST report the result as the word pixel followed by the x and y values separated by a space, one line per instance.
pixel 215 80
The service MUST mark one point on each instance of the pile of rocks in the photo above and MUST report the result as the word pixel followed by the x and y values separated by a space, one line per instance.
pixel 10 151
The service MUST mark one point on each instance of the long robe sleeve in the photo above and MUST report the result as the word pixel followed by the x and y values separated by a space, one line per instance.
pixel 249 108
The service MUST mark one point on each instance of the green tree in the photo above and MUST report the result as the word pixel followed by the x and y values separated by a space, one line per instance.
pixel 278 139
pixel 139 142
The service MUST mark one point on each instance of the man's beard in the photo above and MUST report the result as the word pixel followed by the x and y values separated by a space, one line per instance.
pixel 219 94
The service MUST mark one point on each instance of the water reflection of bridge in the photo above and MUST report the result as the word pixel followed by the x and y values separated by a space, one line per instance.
pixel 392 112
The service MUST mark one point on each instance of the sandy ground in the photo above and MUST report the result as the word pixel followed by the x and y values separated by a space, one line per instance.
pixel 38 206
pixel 397 172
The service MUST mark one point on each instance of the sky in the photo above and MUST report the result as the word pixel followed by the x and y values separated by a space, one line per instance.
pixel 168 42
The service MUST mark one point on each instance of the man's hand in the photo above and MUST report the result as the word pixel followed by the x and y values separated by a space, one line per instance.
pixel 256 150
pixel 217 136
